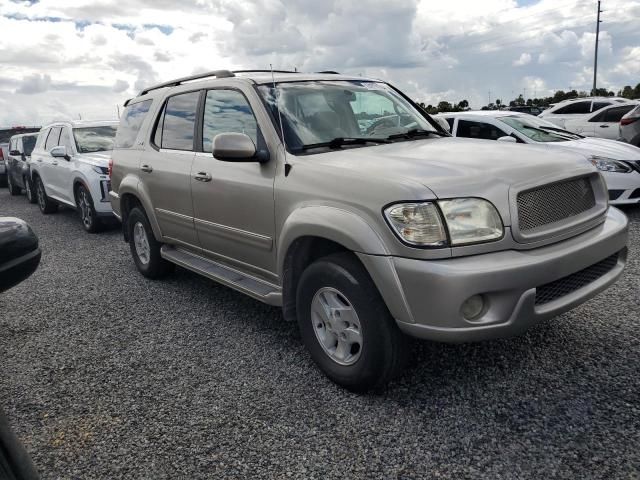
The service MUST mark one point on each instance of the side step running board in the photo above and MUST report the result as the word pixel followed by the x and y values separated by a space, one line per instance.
pixel 258 289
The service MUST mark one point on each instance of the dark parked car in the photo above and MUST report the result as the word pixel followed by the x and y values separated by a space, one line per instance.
pixel 5 135
pixel 19 258
pixel 18 174
pixel 19 252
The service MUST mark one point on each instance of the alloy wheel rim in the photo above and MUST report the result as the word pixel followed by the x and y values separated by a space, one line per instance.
pixel 9 184
pixel 85 209
pixel 27 188
pixel 141 243
pixel 337 326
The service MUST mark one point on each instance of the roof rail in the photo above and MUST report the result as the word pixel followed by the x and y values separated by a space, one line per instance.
pixel 263 71
pixel 329 71
pixel 179 81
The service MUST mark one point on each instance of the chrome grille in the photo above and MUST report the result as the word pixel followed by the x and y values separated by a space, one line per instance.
pixel 552 203
pixel 564 286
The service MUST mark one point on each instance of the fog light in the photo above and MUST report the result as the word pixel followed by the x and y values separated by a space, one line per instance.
pixel 472 307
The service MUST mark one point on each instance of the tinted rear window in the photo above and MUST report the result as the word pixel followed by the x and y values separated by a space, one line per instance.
pixel 574 108
pixel 130 123
pixel 28 143
pixel 178 124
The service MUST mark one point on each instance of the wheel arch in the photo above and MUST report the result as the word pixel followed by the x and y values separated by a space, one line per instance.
pixel 131 198
pixel 311 233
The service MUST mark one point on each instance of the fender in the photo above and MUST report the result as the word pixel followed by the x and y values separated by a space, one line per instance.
pixel 333 223
pixel 352 232
pixel 130 185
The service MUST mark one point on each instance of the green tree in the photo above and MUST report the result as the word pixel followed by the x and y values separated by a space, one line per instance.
pixel 445 107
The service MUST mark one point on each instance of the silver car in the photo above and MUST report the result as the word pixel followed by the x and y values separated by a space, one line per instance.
pixel 338 199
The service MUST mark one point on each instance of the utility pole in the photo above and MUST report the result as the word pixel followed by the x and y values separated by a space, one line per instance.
pixel 595 59
pixel 489 102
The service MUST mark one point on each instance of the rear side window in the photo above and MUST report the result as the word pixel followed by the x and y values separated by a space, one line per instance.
pixel 178 122
pixel 28 144
pixel 227 111
pixel 53 138
pixel 130 123
pixel 574 108
pixel 481 130
pixel 598 105
pixel 612 114
pixel 450 122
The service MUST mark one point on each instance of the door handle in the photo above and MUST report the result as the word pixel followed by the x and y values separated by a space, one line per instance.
pixel 604 126
pixel 203 177
pixel 146 168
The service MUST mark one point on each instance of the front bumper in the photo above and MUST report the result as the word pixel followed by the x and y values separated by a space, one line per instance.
pixel 432 292
pixel 624 188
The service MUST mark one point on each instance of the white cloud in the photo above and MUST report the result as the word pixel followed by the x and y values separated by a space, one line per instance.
pixel 525 59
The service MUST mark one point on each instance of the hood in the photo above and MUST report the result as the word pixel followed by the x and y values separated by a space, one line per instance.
pixel 449 166
pixel 98 159
pixel 458 167
pixel 600 146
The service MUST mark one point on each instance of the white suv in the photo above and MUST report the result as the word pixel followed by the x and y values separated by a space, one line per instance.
pixel 70 166
pixel 577 107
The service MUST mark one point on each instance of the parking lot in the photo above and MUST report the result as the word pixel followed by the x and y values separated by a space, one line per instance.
pixel 105 374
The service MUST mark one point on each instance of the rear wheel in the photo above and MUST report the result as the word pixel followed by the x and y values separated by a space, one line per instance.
pixel 28 187
pixel 3 180
pixel 13 189
pixel 145 249
pixel 45 203
pixel 346 325
pixel 87 211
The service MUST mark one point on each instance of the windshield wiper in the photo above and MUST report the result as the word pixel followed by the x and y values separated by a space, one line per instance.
pixel 416 132
pixel 560 130
pixel 340 142
pixel 547 130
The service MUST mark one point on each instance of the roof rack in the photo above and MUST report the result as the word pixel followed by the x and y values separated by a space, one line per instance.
pixel 179 81
pixel 264 71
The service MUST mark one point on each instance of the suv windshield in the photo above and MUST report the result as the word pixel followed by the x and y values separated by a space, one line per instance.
pixel 317 113
pixel 95 139
pixel 539 130
pixel 28 142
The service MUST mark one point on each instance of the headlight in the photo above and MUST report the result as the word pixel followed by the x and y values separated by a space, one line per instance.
pixel 417 223
pixel 609 164
pixel 100 170
pixel 469 220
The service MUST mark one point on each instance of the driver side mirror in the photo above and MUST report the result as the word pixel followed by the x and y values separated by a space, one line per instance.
pixel 237 147
pixel 60 152
pixel 508 139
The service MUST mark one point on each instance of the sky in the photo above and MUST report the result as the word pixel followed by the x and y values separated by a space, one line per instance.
pixel 76 59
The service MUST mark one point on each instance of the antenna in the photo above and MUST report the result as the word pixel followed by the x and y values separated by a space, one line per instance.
pixel 287 166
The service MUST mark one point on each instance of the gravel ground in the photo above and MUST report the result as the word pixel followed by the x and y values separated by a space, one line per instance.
pixel 105 374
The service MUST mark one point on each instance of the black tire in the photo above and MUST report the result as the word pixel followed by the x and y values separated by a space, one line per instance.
pixel 29 190
pixel 44 202
pixel 155 266
pixel 88 215
pixel 13 189
pixel 3 180
pixel 384 350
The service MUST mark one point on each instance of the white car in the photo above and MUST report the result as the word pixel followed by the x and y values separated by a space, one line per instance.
pixel 70 166
pixel 619 162
pixel 603 124
pixel 576 108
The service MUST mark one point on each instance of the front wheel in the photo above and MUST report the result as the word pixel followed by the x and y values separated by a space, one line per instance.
pixel 87 211
pixel 145 249
pixel 45 203
pixel 346 325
